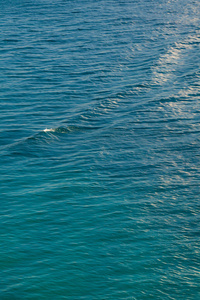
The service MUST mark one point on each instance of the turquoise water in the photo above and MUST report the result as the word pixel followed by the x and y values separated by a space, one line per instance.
pixel 99 152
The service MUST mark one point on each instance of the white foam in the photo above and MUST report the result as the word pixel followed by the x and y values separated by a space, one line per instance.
pixel 49 130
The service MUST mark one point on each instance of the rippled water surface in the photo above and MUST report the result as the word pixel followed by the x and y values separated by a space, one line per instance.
pixel 99 149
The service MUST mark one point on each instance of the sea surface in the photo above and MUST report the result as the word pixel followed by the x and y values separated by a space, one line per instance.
pixel 99 149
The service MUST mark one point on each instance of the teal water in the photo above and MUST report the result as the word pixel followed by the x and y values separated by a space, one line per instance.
pixel 99 149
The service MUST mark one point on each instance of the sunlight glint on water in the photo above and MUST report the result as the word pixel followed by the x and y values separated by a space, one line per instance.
pixel 99 149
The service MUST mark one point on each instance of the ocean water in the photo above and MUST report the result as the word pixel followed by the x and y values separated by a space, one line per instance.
pixel 99 149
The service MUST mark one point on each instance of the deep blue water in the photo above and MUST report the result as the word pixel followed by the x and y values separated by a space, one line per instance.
pixel 99 149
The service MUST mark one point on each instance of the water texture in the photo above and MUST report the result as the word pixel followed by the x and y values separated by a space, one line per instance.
pixel 99 149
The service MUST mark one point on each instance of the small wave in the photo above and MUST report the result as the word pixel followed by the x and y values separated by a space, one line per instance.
pixel 62 129
pixel 70 129
pixel 47 135
pixel 38 138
